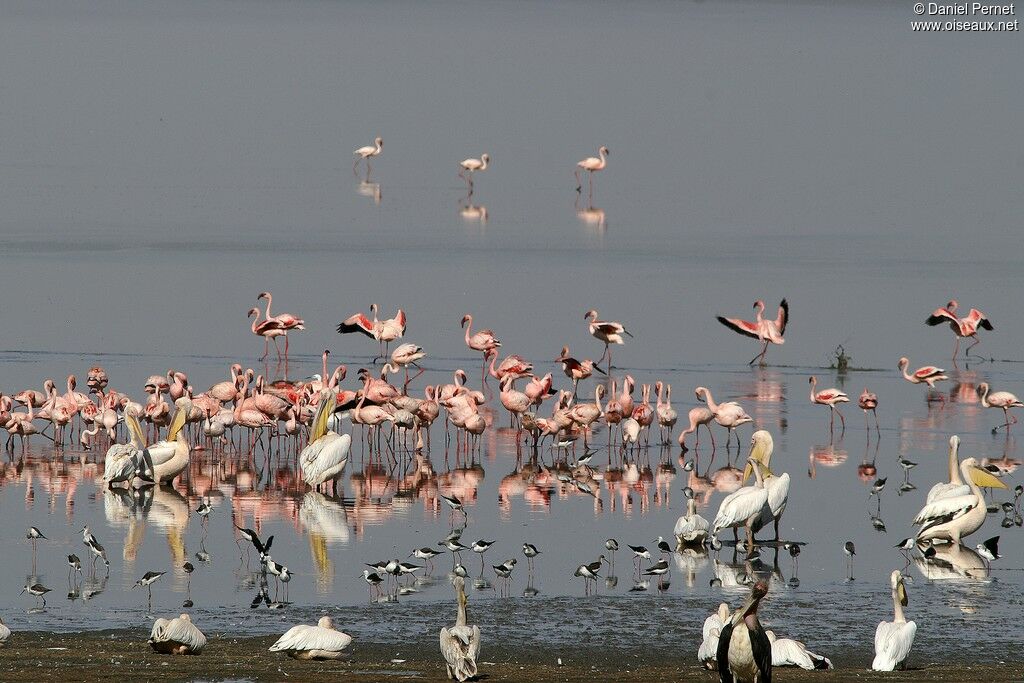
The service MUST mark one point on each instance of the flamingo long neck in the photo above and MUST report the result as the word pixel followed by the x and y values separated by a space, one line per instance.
pixel 483 163
pixel 492 371
pixel 984 396
pixel 598 390
pixel 255 322
pixel 907 376
pixel 760 312
pixel 897 607
pixel 657 392
pixel 362 399
pixel 600 154
pixel 668 396
pixel 814 385
pixel 270 299
pixel 712 406
pixel 323 361
pixel 469 325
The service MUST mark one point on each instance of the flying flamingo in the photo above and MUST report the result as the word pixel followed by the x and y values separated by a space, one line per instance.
pixel 831 398
pixel 483 341
pixel 1000 399
pixel 608 331
pixel 868 401
pixel 366 153
pixel 590 165
pixel 384 331
pixel 470 166
pixel 962 327
pixel 765 331
pixel 929 374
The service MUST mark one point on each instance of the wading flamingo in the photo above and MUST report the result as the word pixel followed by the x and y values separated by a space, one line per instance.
pixel 482 340
pixel 1000 399
pixel 765 331
pixel 869 401
pixel 929 374
pixel 366 153
pixel 829 397
pixel 729 414
pixel 590 165
pixel 471 166
pixel 607 331
pixel 384 331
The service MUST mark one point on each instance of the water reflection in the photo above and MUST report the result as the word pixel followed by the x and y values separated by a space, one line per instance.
pixel 371 190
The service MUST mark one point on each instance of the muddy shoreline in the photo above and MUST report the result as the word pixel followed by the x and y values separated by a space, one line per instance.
pixel 113 655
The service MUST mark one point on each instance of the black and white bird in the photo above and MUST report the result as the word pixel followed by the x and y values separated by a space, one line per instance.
pixel 480 547
pixel 94 547
pixel 611 545
pixel 907 465
pixel 204 510
pixel 426 554
pixel 34 534
pixel 459 570
pixel 877 487
pixel 74 565
pixel 663 546
pixel 989 549
pixel 639 552
pixel 744 650
pixel 147 580
pixel 530 551
pixel 280 572
pixel 455 546
pixel 504 570
pixel 455 504
pixel 659 568
pixel 36 590
pixel 589 572
pixel 849 550
pixel 905 546
pixel 249 535
pixel 372 579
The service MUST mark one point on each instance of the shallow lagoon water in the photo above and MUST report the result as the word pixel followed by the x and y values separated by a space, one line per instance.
pixel 162 165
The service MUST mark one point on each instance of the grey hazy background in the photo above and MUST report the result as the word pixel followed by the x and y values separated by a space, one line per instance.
pixel 162 163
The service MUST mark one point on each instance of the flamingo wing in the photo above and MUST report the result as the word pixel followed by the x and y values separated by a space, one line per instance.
pixel 928 372
pixel 979 319
pixel 744 327
pixel 356 323
pixel 940 316
pixel 782 319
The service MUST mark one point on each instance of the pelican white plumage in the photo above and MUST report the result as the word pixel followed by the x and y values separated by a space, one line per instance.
pixel 789 652
pixel 322 641
pixel 122 459
pixel 460 644
pixel 777 486
pixel 691 528
pixel 743 507
pixel 707 653
pixel 5 632
pixel 956 485
pixel 325 457
pixel 955 518
pixel 177 636
pixel 744 651
pixel 893 639
pixel 164 460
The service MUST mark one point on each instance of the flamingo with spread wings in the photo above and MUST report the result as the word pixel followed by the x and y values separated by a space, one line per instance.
pixel 962 327
pixel 765 331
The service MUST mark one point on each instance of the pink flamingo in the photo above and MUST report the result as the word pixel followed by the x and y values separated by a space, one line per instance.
pixel 642 413
pixel 667 415
pixel 268 329
pixel 591 165
pixel 225 391
pixel 574 369
pixel 607 331
pixel 698 416
pixel 729 414
pixel 585 414
pixel 483 341
pixel 962 327
pixel 1000 399
pixel 539 389
pixel 384 331
pixel 831 398
pixel 515 402
pixel 471 166
pixel 626 397
pixel 869 401
pixel 765 331
pixel 287 320
pixel 513 366
pixel 928 374
pixel 37 397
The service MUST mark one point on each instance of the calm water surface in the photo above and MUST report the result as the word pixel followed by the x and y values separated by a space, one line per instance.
pixel 160 165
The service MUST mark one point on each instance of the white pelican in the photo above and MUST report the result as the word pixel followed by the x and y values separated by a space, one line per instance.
pixel 5 632
pixel 761 447
pixel 893 639
pixel 953 518
pixel 367 152
pixel 177 637
pixel 744 651
pixel 122 459
pixel 743 507
pixel 325 457
pixel 951 562
pixel 788 652
pixel 691 528
pixel 322 641
pixel 460 644
pixel 956 485
pixel 707 653
pixel 165 460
